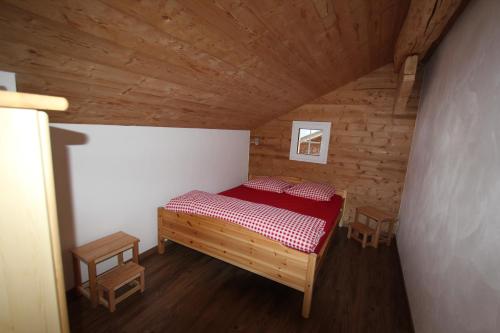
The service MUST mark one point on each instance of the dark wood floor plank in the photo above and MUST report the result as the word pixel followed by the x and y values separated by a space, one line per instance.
pixel 357 290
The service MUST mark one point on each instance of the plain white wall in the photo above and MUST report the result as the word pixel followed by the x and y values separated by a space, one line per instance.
pixel 449 236
pixel 8 81
pixel 112 178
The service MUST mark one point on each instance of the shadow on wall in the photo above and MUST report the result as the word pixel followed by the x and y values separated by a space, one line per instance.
pixel 61 139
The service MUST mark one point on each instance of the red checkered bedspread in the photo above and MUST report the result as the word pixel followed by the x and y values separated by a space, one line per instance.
pixel 292 229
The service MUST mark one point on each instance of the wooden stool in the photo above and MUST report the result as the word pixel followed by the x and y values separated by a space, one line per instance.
pixel 364 230
pixel 360 232
pixel 116 278
pixel 97 251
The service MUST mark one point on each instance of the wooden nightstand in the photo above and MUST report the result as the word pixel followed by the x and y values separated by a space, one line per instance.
pixel 362 231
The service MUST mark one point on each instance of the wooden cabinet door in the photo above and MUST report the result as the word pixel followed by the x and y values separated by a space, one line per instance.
pixel 32 296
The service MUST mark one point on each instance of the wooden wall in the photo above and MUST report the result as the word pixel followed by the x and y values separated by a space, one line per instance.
pixel 369 146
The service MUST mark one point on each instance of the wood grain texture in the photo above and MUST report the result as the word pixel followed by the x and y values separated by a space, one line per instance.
pixel 216 64
pixel 406 79
pixel 245 248
pixel 369 145
pixel 357 290
pixel 32 297
pixel 12 99
pixel 424 25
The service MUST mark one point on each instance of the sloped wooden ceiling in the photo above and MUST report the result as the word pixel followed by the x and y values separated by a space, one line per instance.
pixel 188 63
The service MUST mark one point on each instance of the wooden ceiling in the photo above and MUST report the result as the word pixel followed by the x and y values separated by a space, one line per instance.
pixel 193 63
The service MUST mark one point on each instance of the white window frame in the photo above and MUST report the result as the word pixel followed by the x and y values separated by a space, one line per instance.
pixel 325 140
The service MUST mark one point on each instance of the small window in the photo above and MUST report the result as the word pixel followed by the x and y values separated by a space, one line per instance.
pixel 310 141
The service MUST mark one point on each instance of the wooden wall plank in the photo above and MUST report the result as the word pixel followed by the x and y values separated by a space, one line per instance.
pixel 369 145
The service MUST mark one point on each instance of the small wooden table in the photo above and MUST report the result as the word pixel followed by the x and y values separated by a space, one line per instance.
pixel 377 236
pixel 97 251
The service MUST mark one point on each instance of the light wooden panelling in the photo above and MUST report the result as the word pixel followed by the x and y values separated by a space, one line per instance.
pixel 247 249
pixel 369 145
pixel 406 79
pixel 32 296
pixel 219 64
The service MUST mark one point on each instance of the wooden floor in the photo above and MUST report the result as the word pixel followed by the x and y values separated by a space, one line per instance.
pixel 357 291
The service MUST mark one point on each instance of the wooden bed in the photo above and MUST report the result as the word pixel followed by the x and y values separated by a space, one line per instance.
pixel 247 249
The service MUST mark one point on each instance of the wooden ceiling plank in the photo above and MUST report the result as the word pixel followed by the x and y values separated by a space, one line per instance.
pixel 322 7
pixel 254 39
pixel 41 38
pixel 160 118
pixel 291 24
pixel 219 63
pixel 87 110
pixel 268 46
pixel 70 89
pixel 276 81
pixel 113 27
pixel 20 58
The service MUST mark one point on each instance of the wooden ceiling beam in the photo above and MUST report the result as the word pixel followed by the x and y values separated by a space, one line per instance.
pixel 424 25
pixel 406 80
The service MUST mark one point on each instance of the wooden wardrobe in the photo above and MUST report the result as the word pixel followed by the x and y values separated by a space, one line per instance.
pixel 32 294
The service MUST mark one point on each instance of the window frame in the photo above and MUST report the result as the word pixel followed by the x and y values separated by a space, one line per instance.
pixel 325 141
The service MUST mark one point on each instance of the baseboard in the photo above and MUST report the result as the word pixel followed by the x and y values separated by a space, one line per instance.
pixel 148 253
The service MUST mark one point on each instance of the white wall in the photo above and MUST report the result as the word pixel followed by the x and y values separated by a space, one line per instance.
pixel 111 178
pixel 449 236
pixel 8 81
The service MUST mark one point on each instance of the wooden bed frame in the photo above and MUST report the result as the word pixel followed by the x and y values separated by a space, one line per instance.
pixel 247 249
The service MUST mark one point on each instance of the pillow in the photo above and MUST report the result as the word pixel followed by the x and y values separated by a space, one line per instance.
pixel 269 184
pixel 314 191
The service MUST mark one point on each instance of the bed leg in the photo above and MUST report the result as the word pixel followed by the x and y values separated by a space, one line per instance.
pixel 309 286
pixel 161 245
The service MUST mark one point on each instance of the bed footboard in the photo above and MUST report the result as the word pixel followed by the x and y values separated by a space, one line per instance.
pixel 241 247
pixel 246 249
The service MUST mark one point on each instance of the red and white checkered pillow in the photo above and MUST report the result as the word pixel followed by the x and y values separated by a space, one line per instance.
pixel 269 184
pixel 314 191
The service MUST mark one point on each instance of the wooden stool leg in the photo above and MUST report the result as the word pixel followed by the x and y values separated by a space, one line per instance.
pixel 365 239
pixel 92 283
pixel 77 274
pixel 135 252
pixel 100 294
pixel 390 233
pixel 349 231
pixel 112 300
pixel 375 238
pixel 142 282
pixel 356 216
